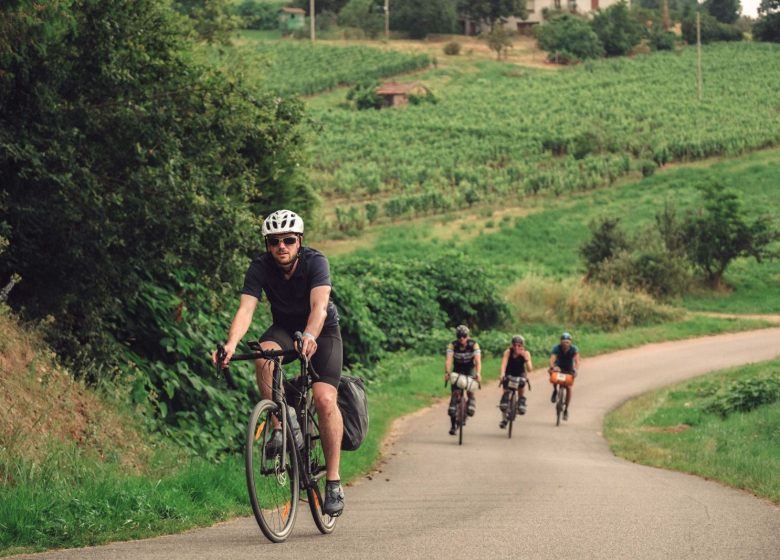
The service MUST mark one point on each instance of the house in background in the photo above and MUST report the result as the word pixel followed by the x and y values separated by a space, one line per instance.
pixel 536 9
pixel 291 19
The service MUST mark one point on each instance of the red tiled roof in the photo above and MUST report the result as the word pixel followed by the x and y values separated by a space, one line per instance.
pixel 396 88
pixel 293 11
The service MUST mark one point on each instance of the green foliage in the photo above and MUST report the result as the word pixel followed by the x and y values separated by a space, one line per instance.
pixel 499 40
pixel 302 68
pixel 767 28
pixel 725 11
pixel 259 14
pixel 663 40
pixel 420 18
pixel 617 30
pixel 720 232
pixel 363 14
pixel 211 19
pixel 492 11
pixel 743 395
pixel 606 242
pixel 397 302
pixel 711 30
pixel 568 38
pixel 123 163
pixel 364 95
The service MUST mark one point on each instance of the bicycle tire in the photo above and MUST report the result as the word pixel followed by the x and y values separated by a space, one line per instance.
pixel 273 492
pixel 511 409
pixel 316 469
pixel 559 404
pixel 461 417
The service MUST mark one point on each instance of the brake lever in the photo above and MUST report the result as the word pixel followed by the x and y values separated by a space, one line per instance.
pixel 224 369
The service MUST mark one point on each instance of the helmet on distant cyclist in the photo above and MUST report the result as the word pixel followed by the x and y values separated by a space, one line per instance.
pixel 282 221
pixel 565 336
pixel 461 330
pixel 518 339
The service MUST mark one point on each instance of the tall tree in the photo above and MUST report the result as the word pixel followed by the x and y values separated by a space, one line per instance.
pixel 725 11
pixel 420 18
pixel 493 11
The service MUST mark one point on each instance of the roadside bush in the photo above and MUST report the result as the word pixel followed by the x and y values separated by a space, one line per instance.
pixel 568 39
pixel 257 14
pixel 364 95
pixel 540 300
pixel 452 48
pixel 745 395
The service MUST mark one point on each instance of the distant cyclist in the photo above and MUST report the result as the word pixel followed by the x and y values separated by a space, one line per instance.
pixel 463 356
pixel 566 357
pixel 296 281
pixel 516 362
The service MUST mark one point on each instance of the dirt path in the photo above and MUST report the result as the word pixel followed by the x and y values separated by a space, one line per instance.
pixel 546 493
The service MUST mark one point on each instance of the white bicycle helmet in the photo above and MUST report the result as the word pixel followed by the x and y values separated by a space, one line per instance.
pixel 282 221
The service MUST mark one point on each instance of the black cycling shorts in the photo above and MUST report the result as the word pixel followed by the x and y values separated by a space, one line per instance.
pixel 327 360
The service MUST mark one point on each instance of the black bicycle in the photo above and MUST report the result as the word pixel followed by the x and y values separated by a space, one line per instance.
pixel 563 381
pixel 276 478
pixel 514 384
pixel 463 384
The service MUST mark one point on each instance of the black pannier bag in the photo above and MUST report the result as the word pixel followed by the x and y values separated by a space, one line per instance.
pixel 353 405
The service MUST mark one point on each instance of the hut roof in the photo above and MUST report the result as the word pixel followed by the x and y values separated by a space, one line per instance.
pixel 396 88
pixel 293 11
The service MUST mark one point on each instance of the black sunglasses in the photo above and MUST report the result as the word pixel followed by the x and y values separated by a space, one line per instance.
pixel 274 241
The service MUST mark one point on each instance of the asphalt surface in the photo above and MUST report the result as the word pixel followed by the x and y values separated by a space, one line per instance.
pixel 549 492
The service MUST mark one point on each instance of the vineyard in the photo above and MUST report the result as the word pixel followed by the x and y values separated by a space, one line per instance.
pixel 504 132
pixel 290 67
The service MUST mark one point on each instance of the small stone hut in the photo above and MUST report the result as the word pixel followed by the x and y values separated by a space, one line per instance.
pixel 396 94
pixel 291 19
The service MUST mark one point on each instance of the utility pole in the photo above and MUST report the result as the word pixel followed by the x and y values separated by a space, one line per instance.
pixel 311 20
pixel 666 18
pixel 387 20
pixel 698 53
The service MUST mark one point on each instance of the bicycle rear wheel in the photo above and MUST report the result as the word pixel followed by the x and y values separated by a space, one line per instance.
pixel 559 404
pixel 316 493
pixel 512 412
pixel 273 491
pixel 461 416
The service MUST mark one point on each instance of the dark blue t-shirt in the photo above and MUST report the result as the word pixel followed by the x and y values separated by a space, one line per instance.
pixel 564 360
pixel 290 299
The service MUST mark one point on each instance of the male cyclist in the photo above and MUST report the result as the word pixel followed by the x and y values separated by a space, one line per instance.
pixel 296 281
pixel 566 357
pixel 516 362
pixel 464 355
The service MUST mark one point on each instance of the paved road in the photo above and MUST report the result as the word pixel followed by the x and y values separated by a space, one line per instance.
pixel 546 493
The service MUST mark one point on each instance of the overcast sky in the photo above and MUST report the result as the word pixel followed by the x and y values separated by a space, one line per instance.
pixel 750 7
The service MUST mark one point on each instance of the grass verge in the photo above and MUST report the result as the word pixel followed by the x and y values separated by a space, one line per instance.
pixel 724 426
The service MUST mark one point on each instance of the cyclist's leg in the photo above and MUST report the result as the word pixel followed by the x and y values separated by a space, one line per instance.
pixel 568 395
pixel 274 338
pixel 327 362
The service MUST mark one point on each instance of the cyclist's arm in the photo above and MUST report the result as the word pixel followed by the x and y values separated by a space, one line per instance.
pixel 529 366
pixel 577 361
pixel 504 360
pixel 448 362
pixel 318 301
pixel 553 359
pixel 478 362
pixel 240 324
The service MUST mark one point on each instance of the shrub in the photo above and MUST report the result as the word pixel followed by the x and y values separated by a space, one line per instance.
pixel 744 395
pixel 364 95
pixel 568 38
pixel 452 48
pixel 616 29
pixel 663 40
pixel 711 30
pixel 767 28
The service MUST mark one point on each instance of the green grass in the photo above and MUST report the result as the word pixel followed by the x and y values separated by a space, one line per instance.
pixel 672 428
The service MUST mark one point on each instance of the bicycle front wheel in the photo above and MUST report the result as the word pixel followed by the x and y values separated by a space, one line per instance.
pixel 511 412
pixel 559 404
pixel 316 492
pixel 273 490
pixel 461 417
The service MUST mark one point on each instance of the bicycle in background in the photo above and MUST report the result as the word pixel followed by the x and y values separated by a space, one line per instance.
pixel 277 477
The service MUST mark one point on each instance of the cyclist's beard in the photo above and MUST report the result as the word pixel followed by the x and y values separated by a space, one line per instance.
pixel 289 266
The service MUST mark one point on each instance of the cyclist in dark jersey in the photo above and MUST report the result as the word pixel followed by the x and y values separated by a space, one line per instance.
pixel 566 357
pixel 516 362
pixel 296 281
pixel 463 356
